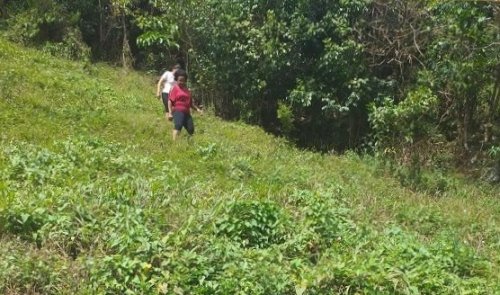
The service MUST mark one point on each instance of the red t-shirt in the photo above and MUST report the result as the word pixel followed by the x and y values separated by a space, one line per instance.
pixel 181 99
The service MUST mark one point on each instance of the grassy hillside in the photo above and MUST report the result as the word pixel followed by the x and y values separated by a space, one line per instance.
pixel 95 198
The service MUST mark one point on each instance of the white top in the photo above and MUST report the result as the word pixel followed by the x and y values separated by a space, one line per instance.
pixel 169 81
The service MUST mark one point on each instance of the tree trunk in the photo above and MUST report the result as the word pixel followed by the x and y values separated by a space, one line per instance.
pixel 269 113
pixel 3 9
pixel 461 123
pixel 468 117
pixel 495 95
pixel 493 107
pixel 126 53
pixel 101 30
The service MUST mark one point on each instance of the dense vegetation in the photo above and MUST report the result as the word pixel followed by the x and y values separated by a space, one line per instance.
pixel 417 81
pixel 95 198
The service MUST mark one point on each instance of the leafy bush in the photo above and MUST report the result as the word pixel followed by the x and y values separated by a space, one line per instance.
pixel 325 215
pixel 253 224
pixel 71 47
pixel 23 221
pixel 49 26
pixel 208 151
pixel 396 264
pixel 120 274
pixel 285 117
pixel 410 119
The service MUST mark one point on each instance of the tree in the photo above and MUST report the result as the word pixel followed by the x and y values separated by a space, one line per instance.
pixel 464 62
pixel 120 9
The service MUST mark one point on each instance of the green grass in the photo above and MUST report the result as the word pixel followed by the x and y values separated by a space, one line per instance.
pixel 95 198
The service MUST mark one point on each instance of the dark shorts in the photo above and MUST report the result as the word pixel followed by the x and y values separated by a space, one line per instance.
pixel 164 98
pixel 183 120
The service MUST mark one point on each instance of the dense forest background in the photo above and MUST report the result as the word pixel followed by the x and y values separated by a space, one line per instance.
pixel 417 82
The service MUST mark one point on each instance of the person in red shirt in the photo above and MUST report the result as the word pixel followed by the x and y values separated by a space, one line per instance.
pixel 180 104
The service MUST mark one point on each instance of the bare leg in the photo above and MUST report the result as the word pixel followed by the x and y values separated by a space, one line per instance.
pixel 175 133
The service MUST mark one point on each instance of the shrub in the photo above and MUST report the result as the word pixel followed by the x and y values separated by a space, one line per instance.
pixel 253 224
pixel 409 120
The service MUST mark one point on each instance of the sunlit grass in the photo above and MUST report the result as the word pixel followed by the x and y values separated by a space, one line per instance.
pixel 88 169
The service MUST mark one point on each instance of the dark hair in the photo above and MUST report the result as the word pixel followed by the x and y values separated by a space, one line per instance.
pixel 180 72
pixel 176 67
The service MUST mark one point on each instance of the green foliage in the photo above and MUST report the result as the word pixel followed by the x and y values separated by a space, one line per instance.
pixel 411 119
pixel 71 47
pixel 25 270
pixel 253 224
pixel 430 182
pixel 296 55
pixel 119 274
pixel 208 151
pixel 23 223
pixel 95 198
pixel 328 62
pixel 157 31
pixel 494 152
pixel 241 168
pixel 286 118
pixel 466 104
pixel 50 26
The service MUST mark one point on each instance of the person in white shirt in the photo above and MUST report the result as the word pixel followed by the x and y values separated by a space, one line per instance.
pixel 165 84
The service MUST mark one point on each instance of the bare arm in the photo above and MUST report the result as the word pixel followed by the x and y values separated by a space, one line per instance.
pixel 160 85
pixel 195 107
pixel 169 108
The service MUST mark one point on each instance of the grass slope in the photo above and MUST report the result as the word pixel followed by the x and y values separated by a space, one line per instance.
pixel 95 198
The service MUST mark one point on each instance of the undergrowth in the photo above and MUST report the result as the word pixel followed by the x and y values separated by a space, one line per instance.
pixel 95 198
